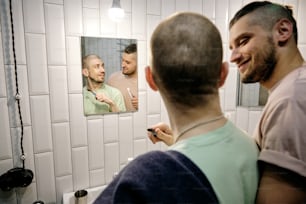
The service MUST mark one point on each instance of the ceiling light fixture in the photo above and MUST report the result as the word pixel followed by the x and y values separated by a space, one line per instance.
pixel 116 13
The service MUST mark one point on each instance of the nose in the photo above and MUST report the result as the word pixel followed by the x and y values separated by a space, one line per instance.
pixel 235 56
pixel 101 68
pixel 123 64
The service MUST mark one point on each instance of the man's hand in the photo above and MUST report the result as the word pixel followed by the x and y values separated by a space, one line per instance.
pixel 135 102
pixel 103 98
pixel 163 133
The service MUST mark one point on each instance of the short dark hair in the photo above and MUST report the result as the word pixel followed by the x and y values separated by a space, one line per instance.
pixel 132 48
pixel 268 14
pixel 187 58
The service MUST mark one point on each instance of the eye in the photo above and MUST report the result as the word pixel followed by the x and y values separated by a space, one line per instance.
pixel 243 41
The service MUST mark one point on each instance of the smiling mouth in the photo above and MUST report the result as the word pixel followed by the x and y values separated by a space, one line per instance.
pixel 242 65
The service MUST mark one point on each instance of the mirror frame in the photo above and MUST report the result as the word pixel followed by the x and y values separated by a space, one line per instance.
pixel 110 51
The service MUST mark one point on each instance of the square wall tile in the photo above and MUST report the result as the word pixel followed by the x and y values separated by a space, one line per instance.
pixel 233 7
pixel 54 1
pixel 153 102
pixel 74 65
pixel 209 9
pixel 181 5
pixel 301 21
pixel 34 16
pixel 37 64
pixel 221 9
pixel 80 168
pixel 140 147
pixel 61 149
pixel 111 128
pixel 139 19
pixel 124 28
pixel 126 5
pixel 111 161
pixel 78 124
pixel 41 123
pixel 97 177
pixel 55 32
pixel 231 91
pixel 5 145
pixel 91 22
pixel 196 6
pixel 139 124
pixel 242 118
pixel 95 143
pixel 125 138
pixel 64 184
pixel 73 17
pixel 44 169
pixel 154 7
pixel 254 117
pixel 108 27
pixel 167 8
pixel 58 90
pixel 91 3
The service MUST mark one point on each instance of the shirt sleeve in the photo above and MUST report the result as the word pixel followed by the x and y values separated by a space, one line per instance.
pixel 284 136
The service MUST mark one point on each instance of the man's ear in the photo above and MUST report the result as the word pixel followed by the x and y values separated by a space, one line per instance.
pixel 85 72
pixel 284 30
pixel 149 78
pixel 223 74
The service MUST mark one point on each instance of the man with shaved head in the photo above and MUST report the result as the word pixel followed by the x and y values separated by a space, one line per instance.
pixel 210 160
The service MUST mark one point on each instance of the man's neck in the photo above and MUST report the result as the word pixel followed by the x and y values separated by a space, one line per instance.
pixel 284 66
pixel 131 76
pixel 94 86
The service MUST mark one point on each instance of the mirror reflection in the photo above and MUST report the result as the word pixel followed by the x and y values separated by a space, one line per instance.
pixel 251 95
pixel 110 78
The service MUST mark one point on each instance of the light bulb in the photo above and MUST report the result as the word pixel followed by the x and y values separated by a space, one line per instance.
pixel 116 13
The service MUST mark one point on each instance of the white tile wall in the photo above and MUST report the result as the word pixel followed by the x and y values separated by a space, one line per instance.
pixel 73 17
pixel 37 63
pixel 5 145
pixel 34 21
pixel 66 150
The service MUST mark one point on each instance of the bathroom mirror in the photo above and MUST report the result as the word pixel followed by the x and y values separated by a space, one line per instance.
pixel 251 95
pixel 109 73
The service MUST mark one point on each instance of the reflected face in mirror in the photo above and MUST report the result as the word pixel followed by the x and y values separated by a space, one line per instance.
pixel 93 70
pixel 129 60
pixel 110 82
pixel 126 79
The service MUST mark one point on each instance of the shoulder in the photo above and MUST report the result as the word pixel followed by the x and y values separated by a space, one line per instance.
pixel 111 89
pixel 115 76
pixel 159 177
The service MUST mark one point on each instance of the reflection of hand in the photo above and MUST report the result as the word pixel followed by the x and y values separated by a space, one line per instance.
pixel 103 98
pixel 135 102
pixel 163 133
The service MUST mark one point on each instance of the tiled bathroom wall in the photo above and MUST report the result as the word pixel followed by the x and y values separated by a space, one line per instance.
pixel 66 150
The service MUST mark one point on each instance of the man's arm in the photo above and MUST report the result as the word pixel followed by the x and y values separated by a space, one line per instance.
pixel 280 186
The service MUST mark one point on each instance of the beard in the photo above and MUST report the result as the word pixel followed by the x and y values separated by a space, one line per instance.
pixel 93 82
pixel 262 65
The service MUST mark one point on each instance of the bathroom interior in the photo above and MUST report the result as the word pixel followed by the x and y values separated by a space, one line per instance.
pixel 66 150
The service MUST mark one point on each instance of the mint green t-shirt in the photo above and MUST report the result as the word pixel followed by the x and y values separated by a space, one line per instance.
pixel 93 106
pixel 228 157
